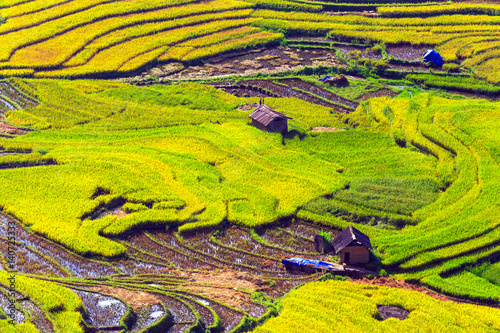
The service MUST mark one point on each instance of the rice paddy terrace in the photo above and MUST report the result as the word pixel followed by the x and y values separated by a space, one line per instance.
pixel 147 203
pixel 102 37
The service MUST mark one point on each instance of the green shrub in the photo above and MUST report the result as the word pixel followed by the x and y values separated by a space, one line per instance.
pixel 451 68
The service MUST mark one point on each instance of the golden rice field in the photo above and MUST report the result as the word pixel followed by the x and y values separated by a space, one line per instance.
pixel 350 307
pixel 106 38
pixel 158 207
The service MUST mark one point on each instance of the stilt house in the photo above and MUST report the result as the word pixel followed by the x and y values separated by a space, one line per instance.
pixel 352 246
pixel 266 119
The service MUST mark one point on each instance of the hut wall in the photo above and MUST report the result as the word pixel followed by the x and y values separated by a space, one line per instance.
pixel 357 254
pixel 279 125
pixel 255 123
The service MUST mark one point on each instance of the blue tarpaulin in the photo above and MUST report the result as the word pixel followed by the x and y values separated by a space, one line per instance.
pixel 323 79
pixel 431 55
pixel 305 262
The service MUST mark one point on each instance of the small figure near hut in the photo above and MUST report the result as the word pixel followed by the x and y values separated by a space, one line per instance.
pixel 352 246
pixel 266 119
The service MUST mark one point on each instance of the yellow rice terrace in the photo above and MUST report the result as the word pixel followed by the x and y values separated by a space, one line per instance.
pixel 249 165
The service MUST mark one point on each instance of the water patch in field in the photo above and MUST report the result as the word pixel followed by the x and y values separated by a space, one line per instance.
pixel 105 304
pixel 389 311
pixel 104 311
pixel 38 317
pixel 157 314
pixel 202 301
pixel 21 99
pixel 147 316
pixel 4 104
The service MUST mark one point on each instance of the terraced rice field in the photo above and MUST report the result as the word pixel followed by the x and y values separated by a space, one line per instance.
pixel 148 203
pixel 108 38
pixel 174 281
pixel 132 237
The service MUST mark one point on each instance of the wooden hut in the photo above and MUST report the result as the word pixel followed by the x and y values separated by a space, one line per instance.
pixel 352 246
pixel 266 119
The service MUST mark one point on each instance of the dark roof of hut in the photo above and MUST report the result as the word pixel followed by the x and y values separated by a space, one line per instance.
pixel 349 235
pixel 265 115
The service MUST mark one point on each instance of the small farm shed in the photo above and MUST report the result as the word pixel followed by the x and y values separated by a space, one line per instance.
pixel 266 119
pixel 352 246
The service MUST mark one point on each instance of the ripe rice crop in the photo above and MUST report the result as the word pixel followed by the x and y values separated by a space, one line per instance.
pixel 354 308
pixel 455 83
pixel 439 10
pixel 111 59
pixel 454 231
pixel 127 26
pixel 71 38
pixel 269 202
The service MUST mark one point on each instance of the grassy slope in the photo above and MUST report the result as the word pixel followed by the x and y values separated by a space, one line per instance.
pixel 131 148
pixel 461 227
pixel 159 146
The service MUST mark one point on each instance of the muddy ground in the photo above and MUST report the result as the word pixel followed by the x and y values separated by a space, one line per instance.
pixel 288 88
pixel 277 60
pixel 266 61
pixel 136 299
pixel 326 129
pixel 388 311
pixel 9 129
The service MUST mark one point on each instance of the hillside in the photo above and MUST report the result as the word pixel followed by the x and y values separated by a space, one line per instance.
pixel 138 195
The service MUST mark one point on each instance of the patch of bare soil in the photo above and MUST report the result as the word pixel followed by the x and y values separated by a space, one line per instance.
pixel 251 88
pixel 13 94
pixel 9 129
pixel 248 107
pixel 136 299
pixel 378 93
pixel 412 53
pixel 266 61
pixel 388 311
pixel 326 129
pixel 224 286
pixel 225 279
pixel 471 95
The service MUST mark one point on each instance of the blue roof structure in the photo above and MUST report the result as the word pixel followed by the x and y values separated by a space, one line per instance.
pixel 323 79
pixel 431 55
pixel 305 262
